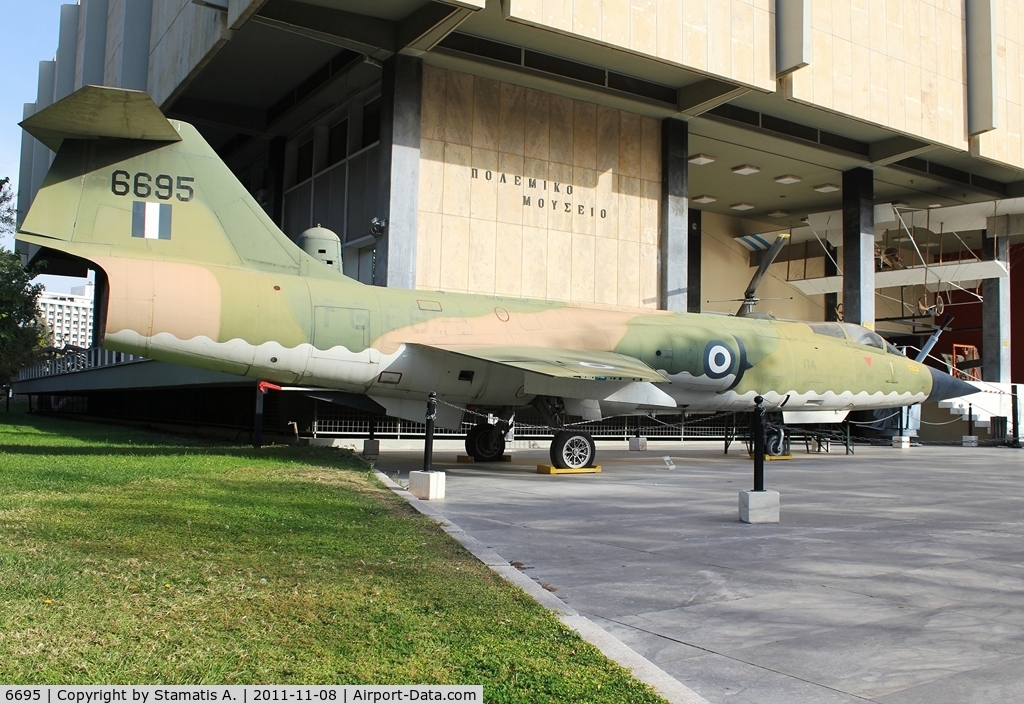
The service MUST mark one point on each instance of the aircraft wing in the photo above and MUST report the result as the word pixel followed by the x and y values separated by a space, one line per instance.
pixel 562 363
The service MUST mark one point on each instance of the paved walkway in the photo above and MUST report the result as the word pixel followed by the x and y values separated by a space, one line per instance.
pixel 895 575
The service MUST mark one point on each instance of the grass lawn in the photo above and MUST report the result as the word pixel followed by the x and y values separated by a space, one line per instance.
pixel 131 557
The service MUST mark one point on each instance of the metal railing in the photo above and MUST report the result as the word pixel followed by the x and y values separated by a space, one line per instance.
pixel 70 362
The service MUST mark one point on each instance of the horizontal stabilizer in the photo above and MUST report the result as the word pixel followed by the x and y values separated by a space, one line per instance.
pixel 98 111
pixel 562 363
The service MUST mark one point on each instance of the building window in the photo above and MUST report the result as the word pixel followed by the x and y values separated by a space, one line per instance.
pixel 304 162
pixel 337 143
pixel 371 123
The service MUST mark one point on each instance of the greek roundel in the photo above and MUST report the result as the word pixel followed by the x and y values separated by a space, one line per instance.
pixel 718 359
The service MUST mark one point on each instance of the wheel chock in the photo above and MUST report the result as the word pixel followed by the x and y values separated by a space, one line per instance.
pixel 548 469
pixel 770 458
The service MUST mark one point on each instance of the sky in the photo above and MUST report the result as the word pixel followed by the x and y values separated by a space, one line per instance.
pixel 28 35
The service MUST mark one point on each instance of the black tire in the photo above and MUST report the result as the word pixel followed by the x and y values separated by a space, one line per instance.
pixel 485 443
pixel 572 449
pixel 775 442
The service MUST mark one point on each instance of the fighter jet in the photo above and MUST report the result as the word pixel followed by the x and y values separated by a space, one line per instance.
pixel 191 270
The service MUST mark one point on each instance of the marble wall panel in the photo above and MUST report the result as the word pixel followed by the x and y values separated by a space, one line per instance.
pixel 536 195
pixel 508 253
pixel 482 255
pixel 900 64
pixel 1004 144
pixel 726 38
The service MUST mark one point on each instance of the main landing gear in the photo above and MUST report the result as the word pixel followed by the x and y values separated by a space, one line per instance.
pixel 572 449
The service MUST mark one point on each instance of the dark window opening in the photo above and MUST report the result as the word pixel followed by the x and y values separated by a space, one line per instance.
pixel 483 47
pixel 793 129
pixel 637 86
pixel 371 123
pixel 466 375
pixel 563 67
pixel 845 143
pixel 337 143
pixel 304 162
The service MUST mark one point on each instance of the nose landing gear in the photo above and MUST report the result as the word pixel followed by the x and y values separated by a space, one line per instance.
pixel 486 442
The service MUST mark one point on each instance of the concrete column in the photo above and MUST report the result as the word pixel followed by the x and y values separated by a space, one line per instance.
pixel 674 219
pixel 398 192
pixel 859 247
pixel 138 21
pixel 67 52
pixel 25 170
pixel 44 98
pixel 982 72
pixel 995 314
pixel 831 269
pixel 94 42
pixel 693 262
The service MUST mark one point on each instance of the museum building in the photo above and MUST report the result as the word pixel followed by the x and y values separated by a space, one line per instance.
pixel 634 153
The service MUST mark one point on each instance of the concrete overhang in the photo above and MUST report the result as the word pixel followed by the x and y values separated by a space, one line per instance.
pixel 789 139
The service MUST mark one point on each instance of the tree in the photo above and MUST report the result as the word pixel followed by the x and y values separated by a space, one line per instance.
pixel 21 331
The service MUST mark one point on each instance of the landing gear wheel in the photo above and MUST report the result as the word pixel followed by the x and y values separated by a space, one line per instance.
pixel 485 443
pixel 572 449
pixel 775 442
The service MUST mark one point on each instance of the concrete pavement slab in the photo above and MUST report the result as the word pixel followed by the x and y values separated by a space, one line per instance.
pixel 891 571
pixel 994 684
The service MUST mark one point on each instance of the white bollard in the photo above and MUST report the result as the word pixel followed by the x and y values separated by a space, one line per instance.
pixel 759 506
pixel 371 449
pixel 426 485
pixel 638 444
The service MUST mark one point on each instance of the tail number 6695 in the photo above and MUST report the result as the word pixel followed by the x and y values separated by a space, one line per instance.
pixel 144 185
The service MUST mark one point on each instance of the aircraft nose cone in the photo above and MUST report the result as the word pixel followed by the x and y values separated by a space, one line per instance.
pixel 945 386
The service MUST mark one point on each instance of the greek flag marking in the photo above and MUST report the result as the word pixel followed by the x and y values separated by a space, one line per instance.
pixel 151 220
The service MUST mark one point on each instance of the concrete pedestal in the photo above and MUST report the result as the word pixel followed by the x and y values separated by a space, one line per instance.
pixel 759 506
pixel 638 444
pixel 371 449
pixel 970 440
pixel 901 441
pixel 426 485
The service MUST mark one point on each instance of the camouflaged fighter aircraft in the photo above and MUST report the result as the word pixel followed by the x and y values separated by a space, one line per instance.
pixel 196 273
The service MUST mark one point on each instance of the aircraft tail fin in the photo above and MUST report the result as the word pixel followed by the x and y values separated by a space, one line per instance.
pixel 128 182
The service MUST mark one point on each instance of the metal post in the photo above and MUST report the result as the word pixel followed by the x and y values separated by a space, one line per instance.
pixel 428 442
pixel 257 431
pixel 970 419
pixel 1015 442
pixel 758 444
